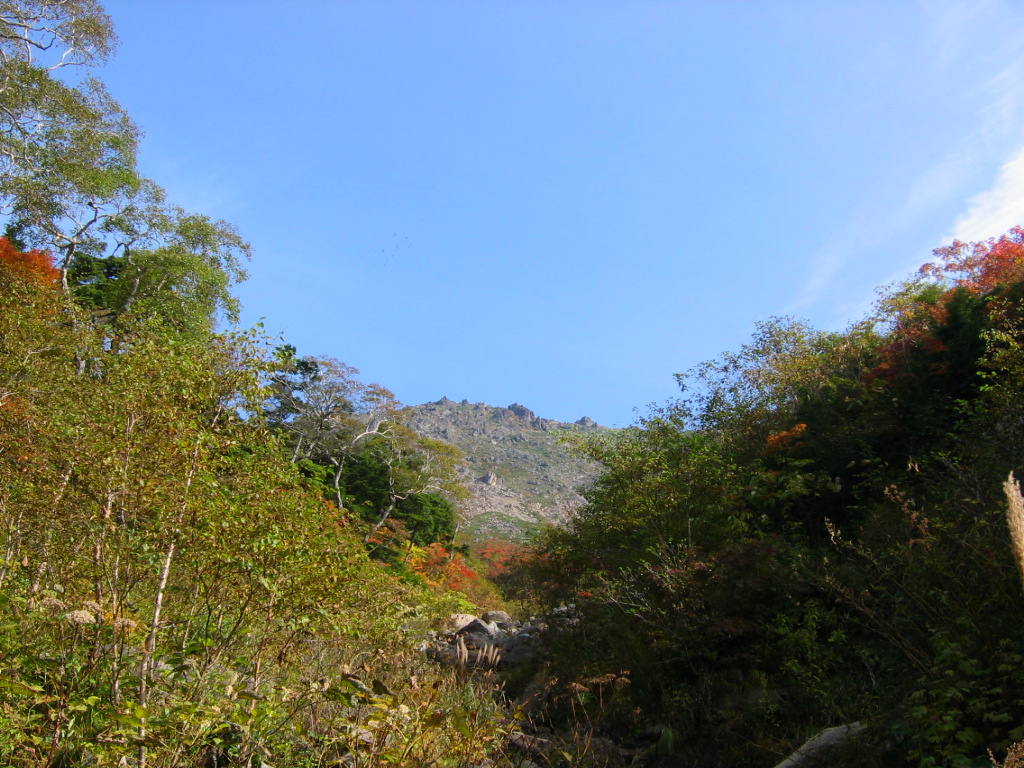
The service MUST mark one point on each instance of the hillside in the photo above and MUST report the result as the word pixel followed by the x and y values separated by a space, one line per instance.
pixel 521 476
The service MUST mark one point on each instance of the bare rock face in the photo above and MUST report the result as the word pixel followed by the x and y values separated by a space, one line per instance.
pixel 813 750
pixel 520 475
pixel 522 412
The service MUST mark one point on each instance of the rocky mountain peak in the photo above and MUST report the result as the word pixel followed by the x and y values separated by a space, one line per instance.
pixel 522 412
pixel 520 474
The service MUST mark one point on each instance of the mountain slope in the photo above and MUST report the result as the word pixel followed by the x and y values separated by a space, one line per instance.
pixel 519 473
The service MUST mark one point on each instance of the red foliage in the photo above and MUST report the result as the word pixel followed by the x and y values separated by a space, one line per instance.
pixel 443 568
pixel 501 556
pixel 36 266
pixel 981 267
pixel 459 575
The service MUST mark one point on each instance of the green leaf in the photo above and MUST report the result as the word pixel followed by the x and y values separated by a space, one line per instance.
pixel 15 686
pixel 461 723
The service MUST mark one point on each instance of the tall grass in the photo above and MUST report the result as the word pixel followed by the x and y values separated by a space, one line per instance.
pixel 1015 520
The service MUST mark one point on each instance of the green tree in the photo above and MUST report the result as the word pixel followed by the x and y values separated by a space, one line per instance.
pixel 69 181
pixel 351 438
pixel 172 593
pixel 67 151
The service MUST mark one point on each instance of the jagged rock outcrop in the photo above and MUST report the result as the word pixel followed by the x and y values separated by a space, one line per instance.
pixel 520 475
pixel 522 412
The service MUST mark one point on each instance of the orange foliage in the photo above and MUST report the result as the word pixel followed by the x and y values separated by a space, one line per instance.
pixel 981 267
pixel 783 441
pixel 441 568
pixel 35 266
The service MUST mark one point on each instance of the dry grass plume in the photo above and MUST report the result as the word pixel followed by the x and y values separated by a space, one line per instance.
pixel 1015 519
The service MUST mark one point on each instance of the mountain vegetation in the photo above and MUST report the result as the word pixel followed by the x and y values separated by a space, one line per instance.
pixel 815 534
pixel 217 551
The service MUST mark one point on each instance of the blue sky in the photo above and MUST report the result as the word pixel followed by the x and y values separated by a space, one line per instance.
pixel 564 203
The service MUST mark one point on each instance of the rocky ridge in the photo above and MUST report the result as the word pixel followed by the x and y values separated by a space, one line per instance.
pixel 520 475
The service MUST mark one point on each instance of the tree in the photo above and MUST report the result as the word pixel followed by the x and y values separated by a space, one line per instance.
pixel 817 498
pixel 161 263
pixel 45 125
pixel 171 588
pixel 429 517
pixel 411 466
pixel 326 412
pixel 979 267
pixel 66 151
pixel 69 181
pixel 353 435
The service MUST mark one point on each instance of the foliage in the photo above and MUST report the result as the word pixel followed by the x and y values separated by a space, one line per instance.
pixel 351 440
pixel 172 593
pixel 814 533
pixel 69 181
pixel 26 266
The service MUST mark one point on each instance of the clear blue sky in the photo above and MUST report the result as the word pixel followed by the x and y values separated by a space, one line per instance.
pixel 562 203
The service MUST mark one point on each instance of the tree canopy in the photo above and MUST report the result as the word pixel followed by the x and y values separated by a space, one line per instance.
pixel 814 533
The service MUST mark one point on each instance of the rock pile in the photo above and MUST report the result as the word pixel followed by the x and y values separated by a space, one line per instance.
pixel 491 641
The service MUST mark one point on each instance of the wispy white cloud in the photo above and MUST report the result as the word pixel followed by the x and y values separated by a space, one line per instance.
pixel 999 132
pixel 947 22
pixel 828 262
pixel 823 273
pixel 1002 115
pixel 995 210
pixel 953 28
pixel 937 185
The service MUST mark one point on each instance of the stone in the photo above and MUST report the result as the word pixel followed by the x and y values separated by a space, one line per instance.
pixel 522 412
pixel 532 745
pixel 813 749
pixel 519 654
pixel 457 621
pixel 498 617
pixel 478 627
pixel 604 753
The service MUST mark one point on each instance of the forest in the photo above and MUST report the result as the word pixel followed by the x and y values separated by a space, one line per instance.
pixel 218 550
